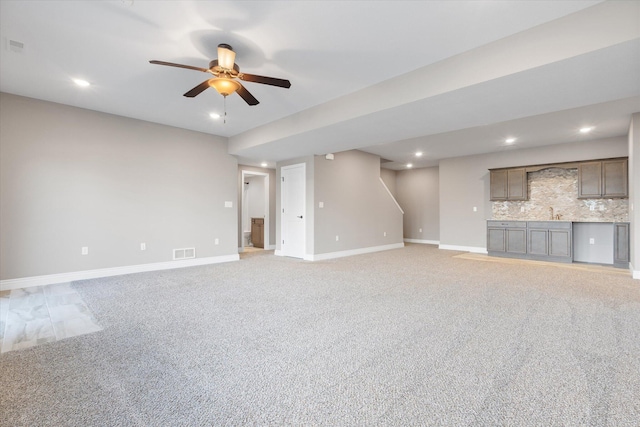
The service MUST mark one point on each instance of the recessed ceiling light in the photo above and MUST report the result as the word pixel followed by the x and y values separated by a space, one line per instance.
pixel 409 165
pixel 510 140
pixel 81 83
pixel 214 115
pixel 419 154
pixel 586 129
pixel 264 164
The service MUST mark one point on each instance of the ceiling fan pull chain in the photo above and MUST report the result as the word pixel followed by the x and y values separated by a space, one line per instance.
pixel 225 110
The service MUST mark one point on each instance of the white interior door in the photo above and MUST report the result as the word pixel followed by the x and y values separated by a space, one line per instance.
pixel 293 181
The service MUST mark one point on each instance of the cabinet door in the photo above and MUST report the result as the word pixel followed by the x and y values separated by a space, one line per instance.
pixel 517 240
pixel 538 244
pixel 498 184
pixel 517 184
pixel 621 244
pixel 560 243
pixel 496 240
pixel 590 180
pixel 614 178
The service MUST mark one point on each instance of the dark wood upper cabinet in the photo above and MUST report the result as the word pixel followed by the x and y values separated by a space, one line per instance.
pixel 614 178
pixel 508 184
pixel 590 180
pixel 603 179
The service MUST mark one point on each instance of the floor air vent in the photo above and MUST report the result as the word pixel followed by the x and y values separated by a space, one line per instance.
pixel 184 253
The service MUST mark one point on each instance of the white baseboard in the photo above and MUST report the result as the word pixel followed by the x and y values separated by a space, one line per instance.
pixel 423 242
pixel 270 247
pixel 50 279
pixel 634 273
pixel 474 249
pixel 341 254
pixel 278 252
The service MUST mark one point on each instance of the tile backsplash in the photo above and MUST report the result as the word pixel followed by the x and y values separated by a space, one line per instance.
pixel 557 188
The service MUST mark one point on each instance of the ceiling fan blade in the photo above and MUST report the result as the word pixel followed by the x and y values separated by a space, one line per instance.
pixel 198 89
pixel 171 64
pixel 248 98
pixel 265 80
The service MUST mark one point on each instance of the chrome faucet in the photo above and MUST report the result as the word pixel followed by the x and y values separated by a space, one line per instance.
pixel 551 210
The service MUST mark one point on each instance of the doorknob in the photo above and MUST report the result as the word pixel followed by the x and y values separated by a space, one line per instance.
pixel 300 216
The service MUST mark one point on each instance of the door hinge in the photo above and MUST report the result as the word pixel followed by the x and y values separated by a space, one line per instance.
pixel 283 179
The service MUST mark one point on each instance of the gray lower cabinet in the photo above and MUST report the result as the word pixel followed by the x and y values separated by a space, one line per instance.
pixel 541 240
pixel 506 238
pixel 549 240
pixel 621 255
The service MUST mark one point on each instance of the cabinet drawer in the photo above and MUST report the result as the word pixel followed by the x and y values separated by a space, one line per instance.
pixel 507 224
pixel 550 225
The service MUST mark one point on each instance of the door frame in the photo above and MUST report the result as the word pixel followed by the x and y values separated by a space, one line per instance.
pixel 247 173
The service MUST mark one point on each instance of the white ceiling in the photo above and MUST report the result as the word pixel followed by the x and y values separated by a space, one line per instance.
pixel 448 78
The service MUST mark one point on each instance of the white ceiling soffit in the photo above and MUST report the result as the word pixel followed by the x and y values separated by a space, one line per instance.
pixel 364 73
pixel 528 74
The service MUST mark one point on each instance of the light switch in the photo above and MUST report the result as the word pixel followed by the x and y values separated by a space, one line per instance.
pixel 228 204
pixel 85 250
pixel 475 209
pixel 592 241
pixel 321 204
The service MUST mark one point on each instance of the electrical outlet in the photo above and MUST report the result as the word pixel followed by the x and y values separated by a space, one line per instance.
pixel 228 204
pixel 143 246
pixel 420 230
pixel 521 208
pixel 85 250
pixel 385 234
pixel 216 242
pixel 592 241
pixel 475 209
pixel 592 207
pixel 321 204
pixel 337 238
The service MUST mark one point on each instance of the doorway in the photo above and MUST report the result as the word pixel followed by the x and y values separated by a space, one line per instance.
pixel 293 219
pixel 255 211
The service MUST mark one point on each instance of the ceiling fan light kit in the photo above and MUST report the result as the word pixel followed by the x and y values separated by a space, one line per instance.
pixel 224 86
pixel 226 72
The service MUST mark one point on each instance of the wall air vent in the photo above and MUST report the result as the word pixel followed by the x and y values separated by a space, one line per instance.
pixel 185 253
pixel 15 46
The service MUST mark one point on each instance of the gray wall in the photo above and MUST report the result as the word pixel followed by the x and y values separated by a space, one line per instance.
pixel 634 191
pixel 356 205
pixel 464 184
pixel 72 177
pixel 272 201
pixel 389 178
pixel 418 194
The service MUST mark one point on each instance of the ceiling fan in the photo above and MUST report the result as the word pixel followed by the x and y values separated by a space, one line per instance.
pixel 226 72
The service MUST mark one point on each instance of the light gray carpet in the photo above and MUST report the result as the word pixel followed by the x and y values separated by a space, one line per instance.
pixel 405 337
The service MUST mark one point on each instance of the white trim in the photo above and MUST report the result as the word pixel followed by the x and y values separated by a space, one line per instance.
pixel 50 279
pixel 266 231
pixel 392 198
pixel 278 252
pixel 474 249
pixel 341 254
pixel 423 242
pixel 634 273
pixel 270 247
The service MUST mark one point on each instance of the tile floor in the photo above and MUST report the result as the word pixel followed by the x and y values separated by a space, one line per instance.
pixel 41 314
